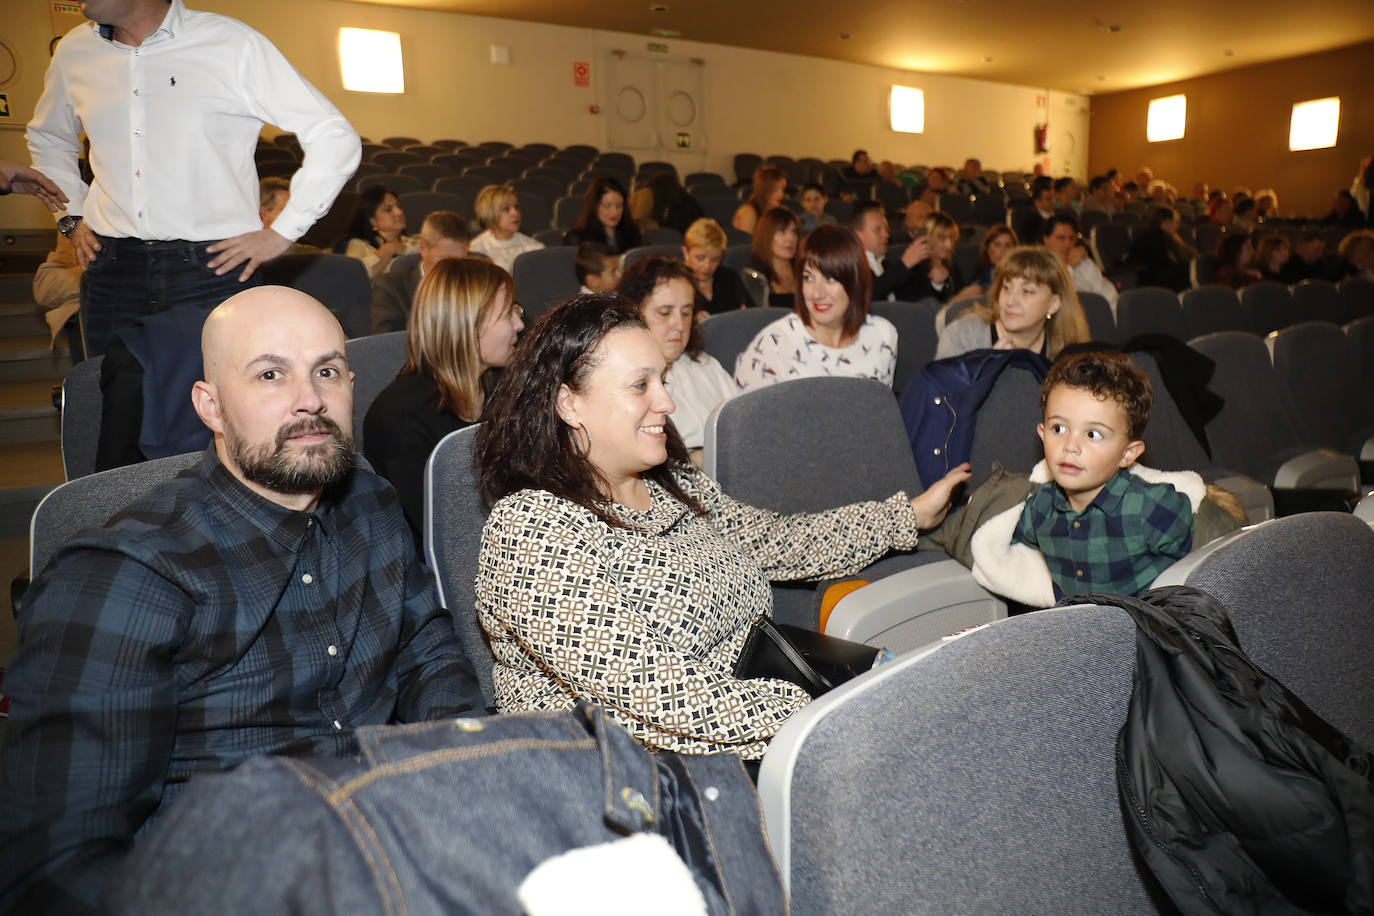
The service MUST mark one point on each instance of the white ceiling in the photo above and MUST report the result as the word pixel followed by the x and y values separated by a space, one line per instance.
pixel 1071 45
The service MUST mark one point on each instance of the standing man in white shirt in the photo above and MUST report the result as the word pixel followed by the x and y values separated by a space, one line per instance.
pixel 172 101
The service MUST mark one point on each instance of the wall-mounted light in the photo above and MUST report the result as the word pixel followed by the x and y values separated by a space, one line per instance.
pixel 1314 124
pixel 1166 118
pixel 370 61
pixel 906 110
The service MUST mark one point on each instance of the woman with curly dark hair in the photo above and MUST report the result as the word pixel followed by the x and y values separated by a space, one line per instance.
pixel 612 571
pixel 605 219
pixel 376 233
pixel 664 289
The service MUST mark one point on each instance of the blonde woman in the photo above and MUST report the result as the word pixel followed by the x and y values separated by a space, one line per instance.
pixel 938 277
pixel 499 213
pixel 703 248
pixel 463 325
pixel 1032 306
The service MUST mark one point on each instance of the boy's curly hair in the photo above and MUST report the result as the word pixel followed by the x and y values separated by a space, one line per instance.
pixel 1106 375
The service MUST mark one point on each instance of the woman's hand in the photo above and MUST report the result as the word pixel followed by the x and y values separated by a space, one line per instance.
pixel 932 505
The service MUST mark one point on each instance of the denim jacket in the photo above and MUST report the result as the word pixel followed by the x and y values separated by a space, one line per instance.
pixel 445 817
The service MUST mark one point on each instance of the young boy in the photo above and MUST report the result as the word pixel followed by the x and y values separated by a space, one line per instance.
pixel 1099 527
pixel 597 269
pixel 1088 518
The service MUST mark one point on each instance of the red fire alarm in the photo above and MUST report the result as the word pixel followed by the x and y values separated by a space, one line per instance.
pixel 582 73
pixel 594 109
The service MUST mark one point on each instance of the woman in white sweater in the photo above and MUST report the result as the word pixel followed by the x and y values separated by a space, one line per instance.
pixel 501 238
pixel 663 289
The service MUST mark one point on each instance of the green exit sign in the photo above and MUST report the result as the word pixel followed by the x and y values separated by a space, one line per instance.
pixel 684 140
pixel 658 47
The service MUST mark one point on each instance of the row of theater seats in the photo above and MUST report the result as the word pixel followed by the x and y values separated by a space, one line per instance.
pixel 965 749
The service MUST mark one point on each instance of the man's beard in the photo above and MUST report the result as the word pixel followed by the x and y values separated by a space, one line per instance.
pixel 310 469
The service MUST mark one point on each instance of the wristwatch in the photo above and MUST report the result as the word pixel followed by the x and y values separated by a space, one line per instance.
pixel 67 225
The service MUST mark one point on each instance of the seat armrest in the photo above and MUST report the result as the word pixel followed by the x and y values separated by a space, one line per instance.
pixel 1319 469
pixel 914 608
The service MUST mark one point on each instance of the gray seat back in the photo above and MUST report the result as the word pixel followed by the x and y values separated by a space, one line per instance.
pixel 726 335
pixel 454 517
pixel 916 338
pixel 1005 433
pixel 649 251
pixel 1319 368
pixel 1358 294
pixel 374 361
pixel 1257 425
pixel 978 778
pixel 1298 590
pixel 544 278
pixel 339 282
pixel 1361 335
pixel 1318 300
pixel 81 411
pixel 1169 442
pixel 1268 307
pixel 1098 311
pixel 1212 308
pixel 810 444
pixel 1149 310
pixel 92 500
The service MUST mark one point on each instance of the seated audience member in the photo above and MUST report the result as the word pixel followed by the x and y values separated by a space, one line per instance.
pixel 770 185
pixel 1308 261
pixel 918 211
pixel 604 219
pixel 1131 191
pixel 997 243
pixel 665 293
pixel 1220 210
pixel 1114 176
pixel 1357 253
pixel 1361 186
pixel 1271 254
pixel 670 205
pixel 1101 196
pixel 1031 306
pixel 887 172
pixel 377 233
pixel 890 273
pixel 1066 195
pixel 937 181
pixel 703 248
pixel 1160 253
pixel 462 329
pixel 971 180
pixel 614 572
pixel 1235 256
pixel 1145 176
pixel 775 245
pixel 498 210
pixel 1088 519
pixel 1243 215
pixel 1061 236
pixel 813 202
pixel 443 234
pixel 1345 211
pixel 830 330
pixel 1266 204
pixel 937 276
pixel 274 193
pixel 1202 193
pixel 57 290
pixel 1030 222
pixel 597 269
pixel 267 601
pixel 860 169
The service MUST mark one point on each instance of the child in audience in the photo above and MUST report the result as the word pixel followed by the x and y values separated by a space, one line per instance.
pixel 1089 518
pixel 597 269
pixel 813 202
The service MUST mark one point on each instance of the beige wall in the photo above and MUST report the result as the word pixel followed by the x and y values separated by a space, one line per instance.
pixel 1236 134
pixel 754 101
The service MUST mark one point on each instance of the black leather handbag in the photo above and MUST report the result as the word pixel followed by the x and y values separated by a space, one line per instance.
pixel 814 662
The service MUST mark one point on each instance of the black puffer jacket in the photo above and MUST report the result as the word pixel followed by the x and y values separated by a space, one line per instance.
pixel 1239 798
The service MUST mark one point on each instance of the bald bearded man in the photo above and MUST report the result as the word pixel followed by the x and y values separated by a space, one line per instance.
pixel 267 601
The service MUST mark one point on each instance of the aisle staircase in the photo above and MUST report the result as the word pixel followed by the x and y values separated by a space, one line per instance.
pixel 30 429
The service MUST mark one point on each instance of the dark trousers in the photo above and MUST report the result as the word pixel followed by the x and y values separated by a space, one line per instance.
pixel 131 278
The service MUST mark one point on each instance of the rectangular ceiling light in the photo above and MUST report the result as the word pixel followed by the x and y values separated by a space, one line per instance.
pixel 1314 124
pixel 906 109
pixel 370 61
pixel 1166 117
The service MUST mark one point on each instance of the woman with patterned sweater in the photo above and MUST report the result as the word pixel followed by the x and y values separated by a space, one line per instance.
pixel 613 571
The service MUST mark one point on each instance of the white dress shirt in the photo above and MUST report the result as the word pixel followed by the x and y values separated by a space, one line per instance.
pixel 1087 278
pixel 173 125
